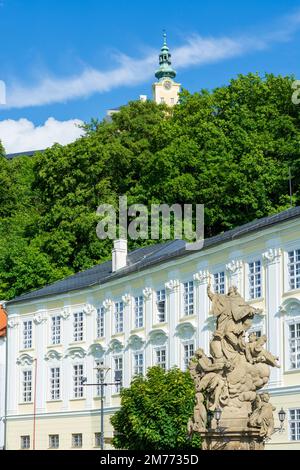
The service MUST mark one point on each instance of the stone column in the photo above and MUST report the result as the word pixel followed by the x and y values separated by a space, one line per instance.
pixel 271 259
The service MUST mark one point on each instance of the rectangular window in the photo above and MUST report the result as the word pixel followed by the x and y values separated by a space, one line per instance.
pixel 119 313
pixel 138 363
pixel 294 345
pixel 161 305
pixel 78 326
pixel 139 312
pixel 188 349
pixel 294 424
pixel 219 283
pixel 97 439
pixel 76 440
pixel 27 386
pixel 27 334
pixel 100 322
pixel 294 269
pixel 118 370
pixel 172 101
pixel 162 100
pixel 55 383
pixel 161 357
pixel 55 330
pixel 188 298
pixel 77 381
pixel 254 277
pixel 53 441
pixel 25 442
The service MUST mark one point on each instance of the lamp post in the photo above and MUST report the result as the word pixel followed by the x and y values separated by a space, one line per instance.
pixel 102 370
pixel 217 416
pixel 281 416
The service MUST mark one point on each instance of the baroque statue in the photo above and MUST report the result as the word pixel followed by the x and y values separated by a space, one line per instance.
pixel 230 378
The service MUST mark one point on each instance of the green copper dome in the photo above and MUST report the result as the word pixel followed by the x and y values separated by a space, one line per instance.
pixel 165 69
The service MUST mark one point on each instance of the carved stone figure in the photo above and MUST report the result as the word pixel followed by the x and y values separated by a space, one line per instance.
pixel 236 370
pixel 256 353
pixel 262 416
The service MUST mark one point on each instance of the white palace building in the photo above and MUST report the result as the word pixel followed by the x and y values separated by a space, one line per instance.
pixel 147 307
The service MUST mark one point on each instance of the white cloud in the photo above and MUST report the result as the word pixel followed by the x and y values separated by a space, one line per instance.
pixel 23 135
pixel 128 71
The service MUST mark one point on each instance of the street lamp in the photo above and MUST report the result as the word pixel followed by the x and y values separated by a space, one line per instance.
pixel 217 416
pixel 281 416
pixel 102 373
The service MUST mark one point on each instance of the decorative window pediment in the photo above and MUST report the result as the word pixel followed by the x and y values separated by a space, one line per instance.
pixel 136 342
pixel 290 308
pixel 116 345
pixel 158 336
pixel 96 350
pixel 75 353
pixel 25 360
pixel 53 355
pixel 186 330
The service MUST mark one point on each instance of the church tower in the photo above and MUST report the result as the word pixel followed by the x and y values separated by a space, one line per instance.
pixel 166 90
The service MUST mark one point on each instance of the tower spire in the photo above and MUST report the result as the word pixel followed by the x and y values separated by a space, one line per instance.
pixel 165 65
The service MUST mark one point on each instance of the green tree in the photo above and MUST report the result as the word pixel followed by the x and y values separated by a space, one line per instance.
pixel 229 149
pixel 155 411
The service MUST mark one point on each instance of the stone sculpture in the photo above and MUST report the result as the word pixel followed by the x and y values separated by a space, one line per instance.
pixel 237 369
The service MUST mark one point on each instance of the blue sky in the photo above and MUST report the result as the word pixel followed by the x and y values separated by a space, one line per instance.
pixel 74 59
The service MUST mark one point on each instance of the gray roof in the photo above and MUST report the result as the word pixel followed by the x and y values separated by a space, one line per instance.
pixel 143 258
pixel 29 153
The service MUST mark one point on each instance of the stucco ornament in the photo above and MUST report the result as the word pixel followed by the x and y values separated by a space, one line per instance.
pixel 89 309
pixel 235 371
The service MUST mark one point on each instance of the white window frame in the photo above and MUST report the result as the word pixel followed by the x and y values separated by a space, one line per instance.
pixel 116 367
pixel 78 326
pixel 98 373
pixel 27 393
pixel 137 368
pixel 160 296
pixel 216 285
pixel 25 439
pixel 54 383
pixel 252 278
pixel 157 360
pixel 119 317
pixel 53 441
pixel 55 330
pixel 297 424
pixel 77 438
pixel 188 344
pixel 296 277
pixel 186 304
pixel 100 322
pixel 78 374
pixel 138 305
pixel 27 334
pixel 291 321
pixel 97 435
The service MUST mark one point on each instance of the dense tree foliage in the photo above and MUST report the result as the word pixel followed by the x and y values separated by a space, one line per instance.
pixel 229 149
pixel 155 411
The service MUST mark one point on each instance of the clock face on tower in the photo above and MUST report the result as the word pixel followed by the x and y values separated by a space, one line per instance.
pixel 167 84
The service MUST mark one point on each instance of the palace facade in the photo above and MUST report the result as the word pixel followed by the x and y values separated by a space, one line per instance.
pixel 147 307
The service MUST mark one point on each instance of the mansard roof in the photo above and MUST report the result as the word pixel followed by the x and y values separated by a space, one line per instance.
pixel 152 255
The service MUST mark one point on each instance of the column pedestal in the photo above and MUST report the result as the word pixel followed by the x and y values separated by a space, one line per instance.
pixel 238 439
